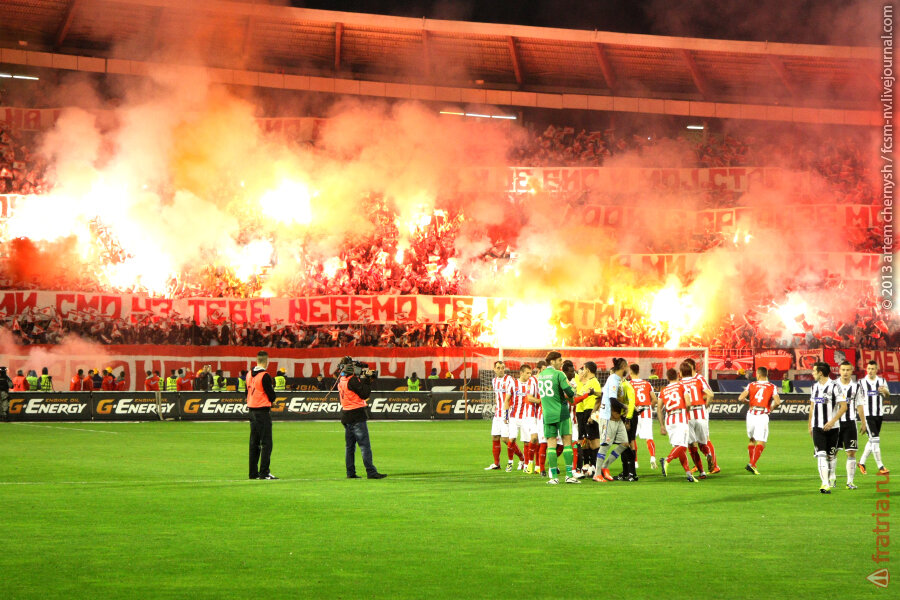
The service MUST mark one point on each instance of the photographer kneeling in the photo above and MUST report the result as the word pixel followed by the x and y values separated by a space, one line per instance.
pixel 355 386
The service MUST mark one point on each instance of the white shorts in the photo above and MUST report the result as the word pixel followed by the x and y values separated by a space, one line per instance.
pixel 678 434
pixel 575 437
pixel 498 427
pixel 644 428
pixel 758 426
pixel 528 428
pixel 514 427
pixel 698 431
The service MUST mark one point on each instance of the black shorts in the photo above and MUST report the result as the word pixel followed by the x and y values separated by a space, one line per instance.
pixel 591 430
pixel 849 437
pixel 873 424
pixel 826 441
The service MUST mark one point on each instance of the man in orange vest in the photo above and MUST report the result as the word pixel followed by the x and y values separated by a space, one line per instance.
pixel 185 382
pixel 20 384
pixel 260 396
pixel 354 391
pixel 75 383
pixel 151 384
pixel 87 384
pixel 109 382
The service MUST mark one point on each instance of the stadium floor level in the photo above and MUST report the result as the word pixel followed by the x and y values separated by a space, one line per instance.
pixel 163 510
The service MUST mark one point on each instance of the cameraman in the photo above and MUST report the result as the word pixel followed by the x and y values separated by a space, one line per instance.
pixel 354 391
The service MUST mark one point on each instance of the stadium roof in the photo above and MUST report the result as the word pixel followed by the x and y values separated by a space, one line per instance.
pixel 489 63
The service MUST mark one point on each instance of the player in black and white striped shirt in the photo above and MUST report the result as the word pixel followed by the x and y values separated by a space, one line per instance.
pixel 825 411
pixel 848 391
pixel 873 392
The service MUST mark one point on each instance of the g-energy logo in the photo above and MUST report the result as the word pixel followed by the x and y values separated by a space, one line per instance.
pixel 215 406
pixel 458 407
pixel 47 406
pixel 132 406
pixel 397 406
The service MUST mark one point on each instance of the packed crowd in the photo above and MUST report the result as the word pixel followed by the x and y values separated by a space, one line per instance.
pixel 425 262
pixel 838 159
pixel 21 167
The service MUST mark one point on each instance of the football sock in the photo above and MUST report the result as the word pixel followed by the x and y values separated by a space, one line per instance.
pixel 612 456
pixel 751 450
pixel 559 449
pixel 832 467
pixel 542 456
pixel 509 450
pixel 651 446
pixel 552 463
pixel 876 450
pixel 515 449
pixel 695 456
pixel 496 452
pixel 567 459
pixel 712 452
pixel 682 457
pixel 823 467
pixel 527 452
pixel 759 451
pixel 575 456
pixel 601 456
pixel 866 452
pixel 851 469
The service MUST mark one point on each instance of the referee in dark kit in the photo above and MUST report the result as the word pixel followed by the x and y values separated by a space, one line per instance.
pixel 260 396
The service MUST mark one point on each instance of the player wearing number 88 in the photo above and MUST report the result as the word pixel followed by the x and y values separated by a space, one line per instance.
pixel 555 393
pixel 763 397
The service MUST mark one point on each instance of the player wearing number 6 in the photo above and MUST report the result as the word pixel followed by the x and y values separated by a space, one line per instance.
pixel 555 393
pixel 763 397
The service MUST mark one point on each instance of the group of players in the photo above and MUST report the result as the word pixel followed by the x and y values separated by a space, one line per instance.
pixel 591 426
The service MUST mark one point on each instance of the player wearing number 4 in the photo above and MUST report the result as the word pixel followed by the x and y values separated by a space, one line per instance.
pixel 763 398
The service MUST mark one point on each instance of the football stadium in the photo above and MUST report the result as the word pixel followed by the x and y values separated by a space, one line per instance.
pixel 447 299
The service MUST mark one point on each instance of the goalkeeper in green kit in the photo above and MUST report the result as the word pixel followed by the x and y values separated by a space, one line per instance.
pixel 555 392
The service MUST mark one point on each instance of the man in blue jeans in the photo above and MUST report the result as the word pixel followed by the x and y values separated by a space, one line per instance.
pixel 355 386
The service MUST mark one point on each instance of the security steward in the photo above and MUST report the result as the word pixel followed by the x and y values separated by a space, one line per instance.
pixel 32 380
pixel 413 384
pixel 20 383
pixel 280 380
pixel 172 382
pixel 46 381
pixel 5 385
pixel 242 381
pixel 260 396
pixel 354 391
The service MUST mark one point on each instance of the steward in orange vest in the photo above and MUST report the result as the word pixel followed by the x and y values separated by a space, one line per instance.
pixel 260 396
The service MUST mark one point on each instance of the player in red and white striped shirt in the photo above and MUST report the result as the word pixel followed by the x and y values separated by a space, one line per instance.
pixel 644 398
pixel 504 387
pixel 524 413
pixel 671 410
pixel 698 437
pixel 763 397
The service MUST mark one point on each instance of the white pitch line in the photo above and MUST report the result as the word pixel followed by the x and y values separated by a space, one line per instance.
pixel 66 428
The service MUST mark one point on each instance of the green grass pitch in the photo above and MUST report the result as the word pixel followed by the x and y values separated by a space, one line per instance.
pixel 162 510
